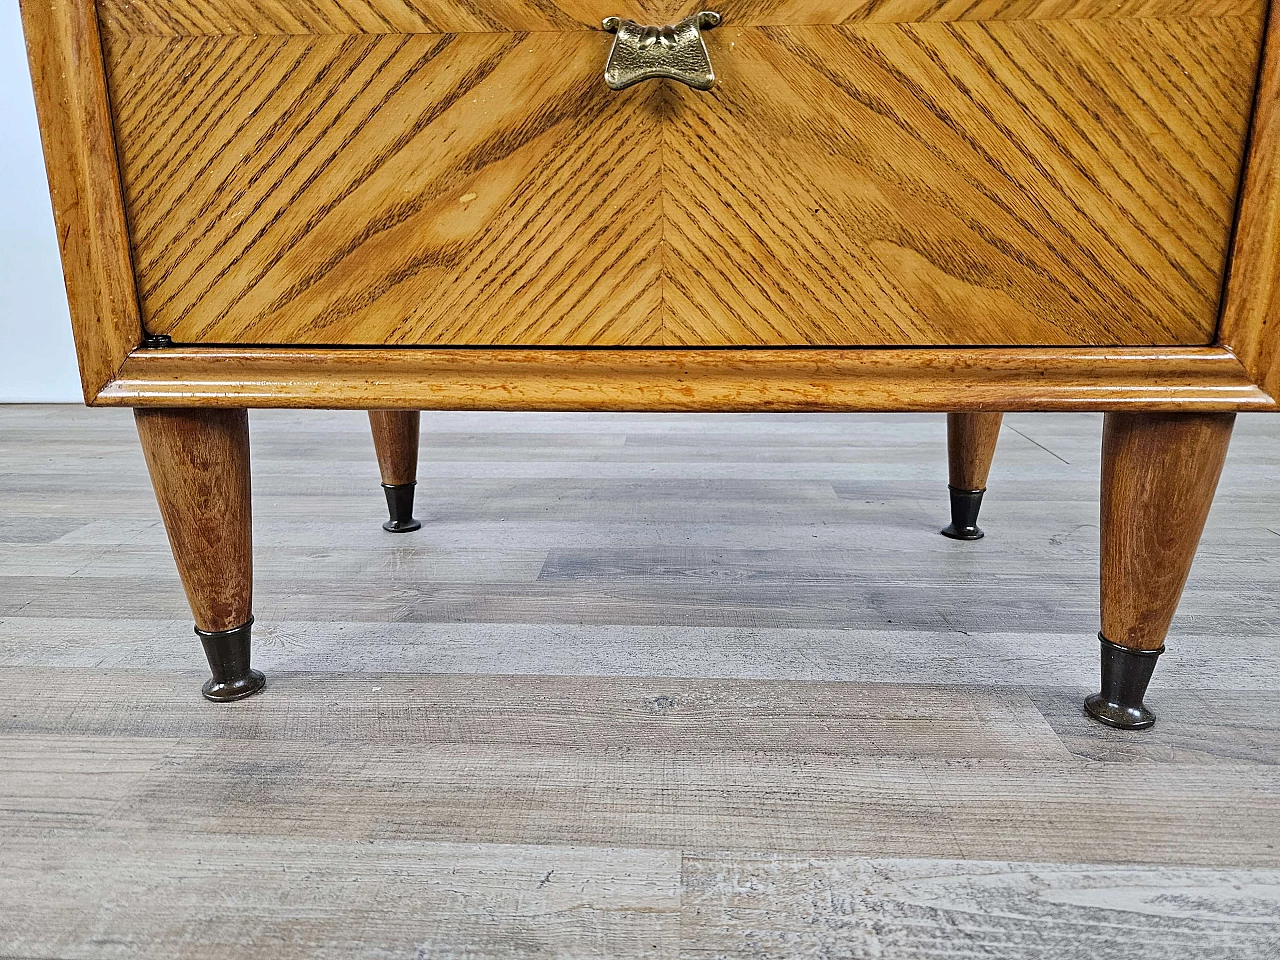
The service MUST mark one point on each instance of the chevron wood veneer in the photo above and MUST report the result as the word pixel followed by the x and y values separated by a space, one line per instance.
pixel 248 17
pixel 445 174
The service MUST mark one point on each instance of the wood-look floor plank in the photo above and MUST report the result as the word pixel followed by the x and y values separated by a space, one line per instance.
pixel 1051 810
pixel 61 781
pixel 1197 725
pixel 595 713
pixel 193 897
pixel 1015 603
pixel 786 907
pixel 1067 661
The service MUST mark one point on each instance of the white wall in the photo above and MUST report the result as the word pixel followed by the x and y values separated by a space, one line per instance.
pixel 37 357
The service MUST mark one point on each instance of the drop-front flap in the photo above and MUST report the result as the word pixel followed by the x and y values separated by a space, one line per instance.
pixel 860 173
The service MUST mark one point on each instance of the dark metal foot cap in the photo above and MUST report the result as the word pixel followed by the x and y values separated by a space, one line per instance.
pixel 400 507
pixel 228 654
pixel 1125 675
pixel 225 691
pixel 965 505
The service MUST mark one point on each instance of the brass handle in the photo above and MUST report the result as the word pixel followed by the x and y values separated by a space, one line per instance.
pixel 673 52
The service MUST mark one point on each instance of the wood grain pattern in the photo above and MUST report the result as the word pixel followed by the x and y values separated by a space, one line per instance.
pixel 199 466
pixel 461 180
pixel 268 17
pixel 363 901
pixel 729 800
pixel 65 56
pixel 996 182
pixel 779 908
pixel 1158 478
pixel 776 380
pixel 1252 300
pixel 966 183
pixel 586 713
pixel 395 441
pixel 971 443
pixel 406 898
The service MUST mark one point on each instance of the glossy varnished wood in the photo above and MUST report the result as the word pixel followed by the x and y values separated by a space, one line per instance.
pixel 199 466
pixel 994 181
pixel 65 56
pixel 831 380
pixel 1159 473
pixel 971 444
pixel 395 440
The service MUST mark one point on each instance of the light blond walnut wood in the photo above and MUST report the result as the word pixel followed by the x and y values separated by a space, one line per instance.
pixel 395 440
pixel 946 380
pixel 1250 324
pixel 971 444
pixel 199 466
pixel 263 17
pixel 1159 473
pixel 997 182
pixel 65 55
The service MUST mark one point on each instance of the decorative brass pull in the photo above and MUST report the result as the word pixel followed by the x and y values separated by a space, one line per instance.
pixel 674 52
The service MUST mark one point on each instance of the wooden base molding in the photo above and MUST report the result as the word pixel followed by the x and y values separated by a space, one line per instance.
pixel 1003 379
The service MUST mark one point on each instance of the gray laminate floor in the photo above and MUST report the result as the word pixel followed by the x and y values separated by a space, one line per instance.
pixel 669 686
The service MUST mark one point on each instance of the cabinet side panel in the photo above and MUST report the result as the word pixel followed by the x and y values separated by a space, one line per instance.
pixel 1250 321
pixel 84 182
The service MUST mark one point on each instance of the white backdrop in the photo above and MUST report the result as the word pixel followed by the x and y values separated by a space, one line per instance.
pixel 37 358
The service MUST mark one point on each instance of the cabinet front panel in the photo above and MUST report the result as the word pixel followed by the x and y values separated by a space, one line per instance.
pixel 902 173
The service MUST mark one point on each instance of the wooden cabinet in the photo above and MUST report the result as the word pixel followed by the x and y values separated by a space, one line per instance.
pixel 396 205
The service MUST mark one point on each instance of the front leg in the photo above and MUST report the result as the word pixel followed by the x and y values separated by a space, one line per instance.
pixel 199 465
pixel 1159 472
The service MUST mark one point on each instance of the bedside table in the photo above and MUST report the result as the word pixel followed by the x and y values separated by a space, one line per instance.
pixel 772 205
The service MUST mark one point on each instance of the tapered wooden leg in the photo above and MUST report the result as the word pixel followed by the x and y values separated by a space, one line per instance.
pixel 971 443
pixel 1159 472
pixel 395 439
pixel 199 465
